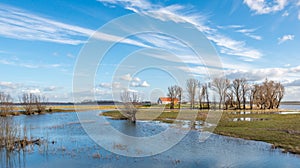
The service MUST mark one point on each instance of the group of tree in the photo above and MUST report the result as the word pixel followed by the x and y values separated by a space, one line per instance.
pixel 234 94
pixel 28 101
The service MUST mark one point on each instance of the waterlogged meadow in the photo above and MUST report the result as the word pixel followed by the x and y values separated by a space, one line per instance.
pixel 64 143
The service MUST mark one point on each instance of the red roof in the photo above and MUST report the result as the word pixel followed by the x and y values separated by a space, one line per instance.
pixel 167 99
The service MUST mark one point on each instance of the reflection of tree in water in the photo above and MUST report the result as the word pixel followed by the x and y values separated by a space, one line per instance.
pixel 15 141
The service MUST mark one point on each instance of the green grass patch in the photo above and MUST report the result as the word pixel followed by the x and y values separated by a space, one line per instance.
pixel 282 131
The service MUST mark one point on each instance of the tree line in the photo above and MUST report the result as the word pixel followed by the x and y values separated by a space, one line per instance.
pixel 29 102
pixel 234 94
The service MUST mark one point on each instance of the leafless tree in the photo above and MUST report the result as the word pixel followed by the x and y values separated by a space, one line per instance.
pixel 201 95
pixel 205 91
pixel 40 102
pixel 229 99
pixel 172 95
pixel 129 99
pixel 28 102
pixel 175 92
pixel 269 94
pixel 220 86
pixel 6 104
pixel 252 94
pixel 178 95
pixel 279 93
pixel 237 91
pixel 191 87
pixel 244 89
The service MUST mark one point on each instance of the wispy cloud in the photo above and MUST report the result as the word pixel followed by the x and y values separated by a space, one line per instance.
pixel 233 47
pixel 285 38
pixel 179 14
pixel 21 63
pixel 248 32
pixel 286 13
pixel 20 24
pixel 265 6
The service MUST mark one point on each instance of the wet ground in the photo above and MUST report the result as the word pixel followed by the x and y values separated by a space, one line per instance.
pixel 66 144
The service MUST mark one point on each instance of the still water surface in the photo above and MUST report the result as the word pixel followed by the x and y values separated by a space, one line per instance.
pixel 67 145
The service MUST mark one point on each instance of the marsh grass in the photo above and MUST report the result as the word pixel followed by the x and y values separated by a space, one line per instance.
pixel 282 131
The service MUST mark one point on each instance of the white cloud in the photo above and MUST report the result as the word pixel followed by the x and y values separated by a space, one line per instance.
pixel 178 14
pixel 33 91
pixel 293 83
pixel 145 84
pixel 248 32
pixel 136 79
pixel 19 24
pixel 299 15
pixel 285 38
pixel 126 77
pixel 280 74
pixel 266 6
pixel 138 84
pixel 51 88
pixel 110 85
pixel 233 47
pixel 9 85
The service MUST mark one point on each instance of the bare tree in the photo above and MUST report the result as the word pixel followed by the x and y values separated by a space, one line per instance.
pixel 175 92
pixel 201 95
pixel 40 102
pixel 129 99
pixel 172 95
pixel 220 85
pixel 28 102
pixel 191 87
pixel 279 93
pixel 244 89
pixel 269 94
pixel 252 94
pixel 237 91
pixel 6 104
pixel 229 99
pixel 178 90
pixel 205 91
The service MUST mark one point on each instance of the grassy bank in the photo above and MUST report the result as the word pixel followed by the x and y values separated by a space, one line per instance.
pixel 55 109
pixel 282 131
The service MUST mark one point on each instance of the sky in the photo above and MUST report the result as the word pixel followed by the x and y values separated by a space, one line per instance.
pixel 42 43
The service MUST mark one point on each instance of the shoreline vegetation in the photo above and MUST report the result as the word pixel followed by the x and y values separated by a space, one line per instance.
pixel 269 125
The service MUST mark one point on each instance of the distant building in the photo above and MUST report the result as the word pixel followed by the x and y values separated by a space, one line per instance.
pixel 166 100
pixel 146 103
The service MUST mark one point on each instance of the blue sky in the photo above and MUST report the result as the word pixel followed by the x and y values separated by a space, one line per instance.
pixel 41 42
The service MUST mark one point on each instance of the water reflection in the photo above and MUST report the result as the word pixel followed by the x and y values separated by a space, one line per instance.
pixel 68 145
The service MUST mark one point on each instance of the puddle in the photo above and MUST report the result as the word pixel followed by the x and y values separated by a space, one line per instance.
pixel 290 112
pixel 248 119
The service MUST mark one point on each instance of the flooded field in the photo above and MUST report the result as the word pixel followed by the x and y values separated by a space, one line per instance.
pixel 66 144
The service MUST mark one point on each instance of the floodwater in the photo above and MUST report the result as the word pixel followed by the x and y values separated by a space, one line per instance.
pixel 66 144
pixel 290 107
